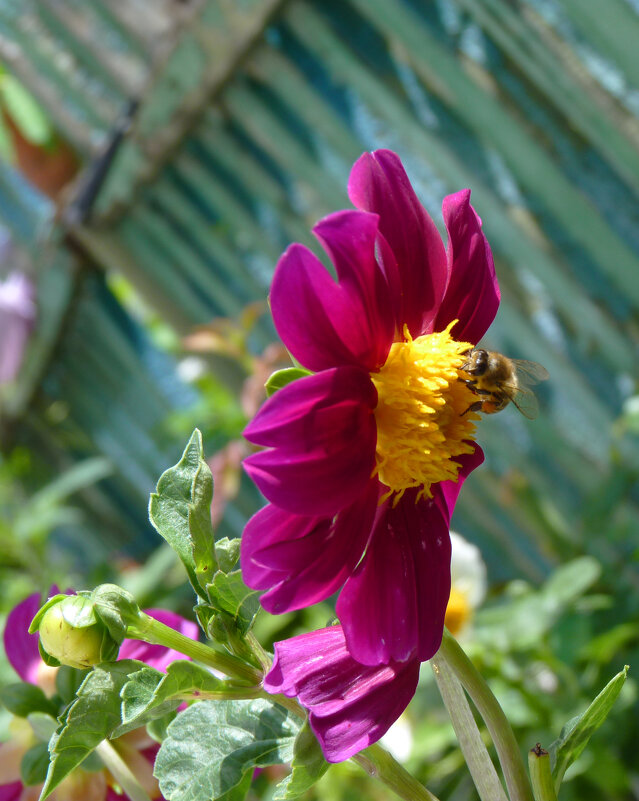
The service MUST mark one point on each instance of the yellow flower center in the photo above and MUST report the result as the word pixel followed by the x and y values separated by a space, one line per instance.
pixel 458 611
pixel 422 414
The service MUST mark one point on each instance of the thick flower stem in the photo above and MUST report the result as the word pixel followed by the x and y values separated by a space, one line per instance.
pixel 380 765
pixel 488 707
pixel 121 772
pixel 472 746
pixel 152 631
pixel 540 775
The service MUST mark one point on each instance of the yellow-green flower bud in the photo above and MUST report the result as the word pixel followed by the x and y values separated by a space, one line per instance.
pixel 71 633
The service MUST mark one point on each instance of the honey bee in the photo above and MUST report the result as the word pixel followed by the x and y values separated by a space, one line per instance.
pixel 498 381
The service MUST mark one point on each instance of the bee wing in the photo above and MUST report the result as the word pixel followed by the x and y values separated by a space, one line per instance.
pixel 526 401
pixel 529 372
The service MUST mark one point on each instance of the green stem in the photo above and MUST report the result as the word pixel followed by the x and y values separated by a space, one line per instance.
pixel 497 723
pixel 121 772
pixel 540 775
pixel 379 764
pixel 472 746
pixel 152 631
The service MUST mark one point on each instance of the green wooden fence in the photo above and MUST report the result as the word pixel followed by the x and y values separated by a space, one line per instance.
pixel 250 116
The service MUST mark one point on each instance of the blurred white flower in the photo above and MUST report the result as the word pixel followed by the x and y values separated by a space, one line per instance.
pixel 399 739
pixel 546 679
pixel 17 315
pixel 468 584
pixel 190 368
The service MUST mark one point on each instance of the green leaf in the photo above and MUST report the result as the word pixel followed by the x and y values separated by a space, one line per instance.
pixel 91 717
pixel 22 699
pixel 43 725
pixel 228 553
pixel 240 791
pixel 25 112
pixel 572 580
pixel 576 733
pixel 151 694
pixel 180 511
pixel 67 682
pixel 280 378
pixel 157 728
pixel 35 764
pixel 308 766
pixel 228 593
pixel 211 746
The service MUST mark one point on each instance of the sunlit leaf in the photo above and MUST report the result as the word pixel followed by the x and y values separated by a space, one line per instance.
pixel 180 510
pixel 211 746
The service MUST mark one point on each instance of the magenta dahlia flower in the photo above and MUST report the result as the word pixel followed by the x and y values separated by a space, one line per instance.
pixel 350 705
pixel 364 458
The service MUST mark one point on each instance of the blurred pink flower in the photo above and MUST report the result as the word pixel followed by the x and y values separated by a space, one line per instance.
pixel 17 316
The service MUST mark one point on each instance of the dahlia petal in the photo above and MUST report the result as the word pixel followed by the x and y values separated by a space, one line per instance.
pixel 378 183
pixel 445 493
pixel 324 323
pixel 324 435
pixel 305 560
pixel 350 705
pixel 472 295
pixel 393 606
pixel 11 791
pixel 378 602
pixel 21 647
pixel 350 239
pixel 158 656
pixel 313 411
pixel 267 527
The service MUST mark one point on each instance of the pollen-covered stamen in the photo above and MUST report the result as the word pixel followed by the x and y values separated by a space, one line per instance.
pixel 421 414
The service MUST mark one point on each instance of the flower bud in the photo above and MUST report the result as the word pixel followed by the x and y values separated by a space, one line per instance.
pixel 72 634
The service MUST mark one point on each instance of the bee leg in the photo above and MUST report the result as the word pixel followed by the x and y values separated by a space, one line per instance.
pixel 474 407
pixel 470 382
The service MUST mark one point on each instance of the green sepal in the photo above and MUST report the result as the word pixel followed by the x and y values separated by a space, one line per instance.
pixel 116 608
pixel 49 661
pixel 212 745
pixel 280 378
pixel 35 623
pixel 577 732
pixel 307 767
pixel 180 511
pixel 22 699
